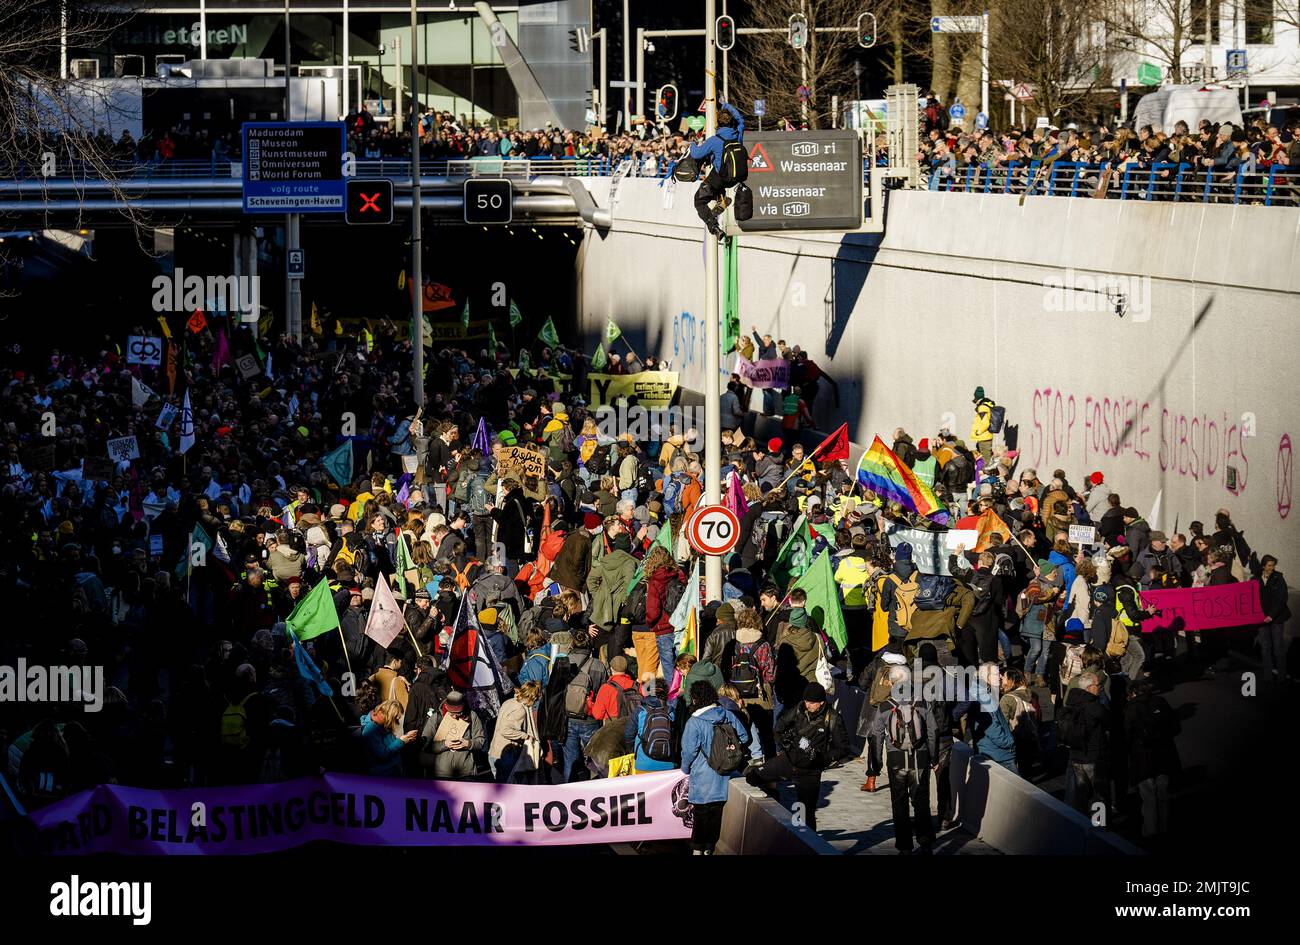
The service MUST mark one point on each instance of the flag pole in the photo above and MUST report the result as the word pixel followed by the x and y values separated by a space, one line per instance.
pixel 347 659
pixel 418 652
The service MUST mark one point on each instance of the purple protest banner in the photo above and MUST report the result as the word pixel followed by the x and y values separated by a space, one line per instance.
pixel 774 372
pixel 348 808
pixel 1204 608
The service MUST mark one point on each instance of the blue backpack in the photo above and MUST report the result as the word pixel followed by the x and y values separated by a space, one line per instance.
pixel 933 591
pixel 672 496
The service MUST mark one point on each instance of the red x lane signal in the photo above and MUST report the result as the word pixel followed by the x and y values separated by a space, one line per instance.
pixel 369 201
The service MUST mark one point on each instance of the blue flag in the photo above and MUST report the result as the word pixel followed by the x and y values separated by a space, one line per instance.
pixel 339 463
pixel 307 667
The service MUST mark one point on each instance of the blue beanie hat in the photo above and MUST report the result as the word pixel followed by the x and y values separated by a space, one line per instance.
pixel 1074 625
pixel 903 552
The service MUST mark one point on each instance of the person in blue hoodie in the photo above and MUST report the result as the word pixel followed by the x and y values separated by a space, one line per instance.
pixel 990 732
pixel 731 127
pixel 708 789
pixel 1062 556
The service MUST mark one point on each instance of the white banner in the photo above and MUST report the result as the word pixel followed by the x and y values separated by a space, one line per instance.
pixel 930 550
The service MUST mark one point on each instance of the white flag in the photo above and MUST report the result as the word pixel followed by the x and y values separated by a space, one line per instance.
pixel 1154 518
pixel 386 621
pixel 269 375
pixel 140 393
pixel 187 424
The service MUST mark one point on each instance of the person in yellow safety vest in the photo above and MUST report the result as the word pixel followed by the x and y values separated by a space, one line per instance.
pixel 378 483
pixel 980 434
pixel 852 572
pixel 924 464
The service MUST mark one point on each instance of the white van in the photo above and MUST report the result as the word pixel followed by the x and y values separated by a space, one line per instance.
pixel 1167 106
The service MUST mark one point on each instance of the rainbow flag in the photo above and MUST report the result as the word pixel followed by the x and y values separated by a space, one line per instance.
pixel 883 473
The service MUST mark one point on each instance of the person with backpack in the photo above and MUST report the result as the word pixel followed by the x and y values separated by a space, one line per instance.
pixel 1021 711
pixel 724 161
pixel 811 738
pixel 650 730
pixel 243 722
pixel 713 752
pixel 665 584
pixel 799 652
pixel 906 727
pixel 853 575
pixel 983 426
pixel 585 677
pixel 943 604
pixel 537 659
pixel 750 667
pixel 876 681
pixel 896 598
pixel 980 643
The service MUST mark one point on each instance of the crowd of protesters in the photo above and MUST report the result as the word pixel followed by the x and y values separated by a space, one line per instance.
pixel 561 586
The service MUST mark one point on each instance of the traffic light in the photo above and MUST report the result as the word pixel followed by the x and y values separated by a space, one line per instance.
pixel 798 30
pixel 666 97
pixel 578 40
pixel 866 30
pixel 724 32
pixel 369 201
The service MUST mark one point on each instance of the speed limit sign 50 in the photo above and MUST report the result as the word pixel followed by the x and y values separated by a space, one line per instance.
pixel 713 530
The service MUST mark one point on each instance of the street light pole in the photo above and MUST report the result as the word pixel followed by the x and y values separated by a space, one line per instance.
pixel 627 72
pixel 984 67
pixel 292 287
pixel 417 276
pixel 803 71
pixel 640 70
pixel 712 340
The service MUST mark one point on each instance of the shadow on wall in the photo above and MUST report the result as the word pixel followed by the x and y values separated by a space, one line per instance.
pixel 849 271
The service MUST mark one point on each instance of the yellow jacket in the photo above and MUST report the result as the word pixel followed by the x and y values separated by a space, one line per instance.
pixel 851 576
pixel 979 428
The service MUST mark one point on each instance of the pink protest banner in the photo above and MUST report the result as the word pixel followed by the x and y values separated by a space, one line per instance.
pixel 1204 608
pixel 350 808
pixel 774 372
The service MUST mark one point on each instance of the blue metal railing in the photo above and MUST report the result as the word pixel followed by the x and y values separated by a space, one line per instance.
pixel 1277 185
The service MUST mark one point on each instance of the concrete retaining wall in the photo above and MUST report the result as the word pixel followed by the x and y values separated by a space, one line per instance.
pixel 753 823
pixel 1196 378
pixel 1006 811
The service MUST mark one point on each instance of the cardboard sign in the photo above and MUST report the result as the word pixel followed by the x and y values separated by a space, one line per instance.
pixel 95 468
pixel 1083 534
pixel 166 416
pixel 519 462
pixel 123 449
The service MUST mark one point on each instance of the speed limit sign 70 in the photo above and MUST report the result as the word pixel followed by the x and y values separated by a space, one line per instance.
pixel 713 530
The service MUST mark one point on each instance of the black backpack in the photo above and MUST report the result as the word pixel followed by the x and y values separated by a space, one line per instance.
pixel 657 734
pixel 933 591
pixel 744 671
pixel 997 417
pixel 735 163
pixel 687 170
pixel 725 753
pixel 744 206
pixel 632 610
pixel 673 595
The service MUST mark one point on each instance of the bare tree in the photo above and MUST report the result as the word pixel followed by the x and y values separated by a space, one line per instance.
pixel 47 122
pixel 764 65
pixel 1058 48
pixel 1162 29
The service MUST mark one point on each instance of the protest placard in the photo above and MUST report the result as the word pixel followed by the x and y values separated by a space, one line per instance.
pixel 1203 608
pixel 123 448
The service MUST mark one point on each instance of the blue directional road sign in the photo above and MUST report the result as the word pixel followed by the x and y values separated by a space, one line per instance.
pixel 957 112
pixel 981 121
pixel 294 167
pixel 760 107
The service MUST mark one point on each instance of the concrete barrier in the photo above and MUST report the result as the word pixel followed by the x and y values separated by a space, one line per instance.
pixel 753 823
pixel 1006 811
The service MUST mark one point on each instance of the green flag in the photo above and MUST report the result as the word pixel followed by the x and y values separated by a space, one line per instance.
pixel 464 314
pixel 515 315
pixel 548 336
pixel 792 560
pixel 404 563
pixel 612 331
pixel 665 541
pixel 492 340
pixel 339 463
pixel 598 360
pixel 731 298
pixel 823 606
pixel 315 613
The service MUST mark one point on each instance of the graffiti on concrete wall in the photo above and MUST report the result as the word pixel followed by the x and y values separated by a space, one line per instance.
pixel 1284 476
pixel 1089 428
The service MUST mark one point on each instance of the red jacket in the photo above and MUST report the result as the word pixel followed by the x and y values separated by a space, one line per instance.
pixel 656 618
pixel 606 704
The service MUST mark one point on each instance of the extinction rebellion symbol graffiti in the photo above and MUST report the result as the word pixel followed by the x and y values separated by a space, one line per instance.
pixel 1284 476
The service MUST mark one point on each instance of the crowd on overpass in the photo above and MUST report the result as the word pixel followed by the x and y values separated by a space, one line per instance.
pixel 1100 159
pixel 291 568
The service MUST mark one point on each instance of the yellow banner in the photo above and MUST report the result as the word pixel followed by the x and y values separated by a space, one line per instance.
pixel 652 389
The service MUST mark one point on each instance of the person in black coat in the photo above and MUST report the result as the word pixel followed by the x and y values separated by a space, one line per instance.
pixel 426 694
pixel 1085 728
pixel 512 517
pixel 1150 725
pixel 1273 601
